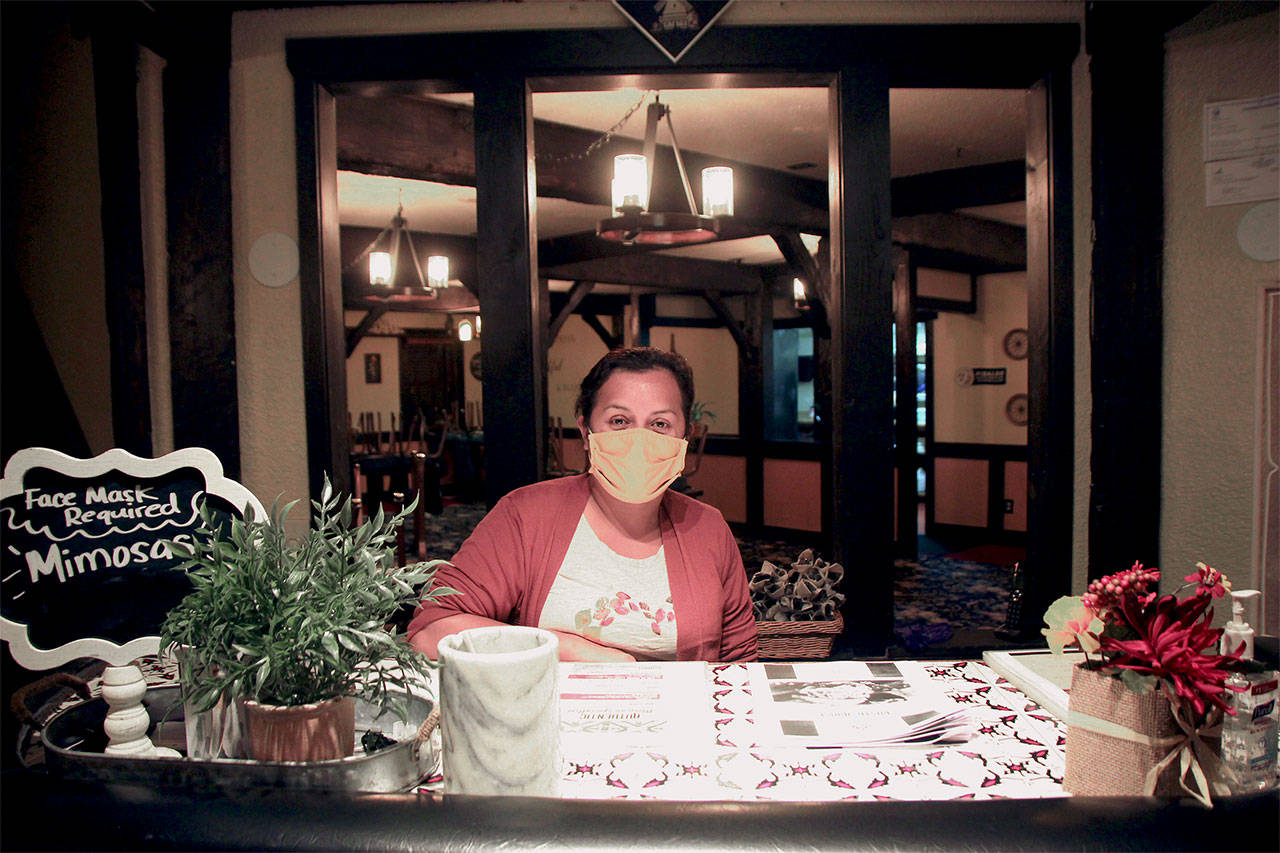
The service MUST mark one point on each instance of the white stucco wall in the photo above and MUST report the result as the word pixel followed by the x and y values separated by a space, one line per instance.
pixel 976 413
pixel 1211 302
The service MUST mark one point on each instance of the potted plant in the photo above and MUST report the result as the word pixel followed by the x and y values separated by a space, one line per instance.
pixel 797 608
pixel 1151 688
pixel 292 631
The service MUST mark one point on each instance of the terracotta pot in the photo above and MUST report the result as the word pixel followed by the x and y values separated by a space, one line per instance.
pixel 1100 764
pixel 319 731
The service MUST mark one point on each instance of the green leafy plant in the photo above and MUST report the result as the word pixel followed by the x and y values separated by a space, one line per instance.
pixel 804 592
pixel 699 410
pixel 290 623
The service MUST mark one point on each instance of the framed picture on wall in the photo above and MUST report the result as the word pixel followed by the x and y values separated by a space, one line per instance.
pixel 373 368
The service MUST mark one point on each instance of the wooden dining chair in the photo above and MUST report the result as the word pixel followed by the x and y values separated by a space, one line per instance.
pixel 556 464
pixel 693 460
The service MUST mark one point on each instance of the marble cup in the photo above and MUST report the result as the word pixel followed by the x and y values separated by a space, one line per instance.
pixel 499 711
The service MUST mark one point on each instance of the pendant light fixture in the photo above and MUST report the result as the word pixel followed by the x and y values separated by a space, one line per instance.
pixel 468 329
pixel 633 180
pixel 383 262
pixel 799 295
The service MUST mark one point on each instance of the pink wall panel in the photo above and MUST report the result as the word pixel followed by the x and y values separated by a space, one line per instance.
pixel 723 480
pixel 793 494
pixel 960 491
pixel 1015 489
pixel 575 455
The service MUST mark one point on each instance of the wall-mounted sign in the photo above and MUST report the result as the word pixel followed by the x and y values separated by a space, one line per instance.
pixel 673 25
pixel 87 570
pixel 980 376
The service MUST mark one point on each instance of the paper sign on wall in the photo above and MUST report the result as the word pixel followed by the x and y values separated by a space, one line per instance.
pixel 1242 150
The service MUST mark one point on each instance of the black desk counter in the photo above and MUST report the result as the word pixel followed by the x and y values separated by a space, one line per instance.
pixel 42 812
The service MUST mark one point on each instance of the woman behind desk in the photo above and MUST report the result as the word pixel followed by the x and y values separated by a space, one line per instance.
pixel 617 565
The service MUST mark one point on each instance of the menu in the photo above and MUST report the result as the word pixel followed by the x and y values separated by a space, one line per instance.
pixel 636 704
pixel 855 703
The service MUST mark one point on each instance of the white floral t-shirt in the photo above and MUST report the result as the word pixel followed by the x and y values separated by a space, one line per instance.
pixel 615 600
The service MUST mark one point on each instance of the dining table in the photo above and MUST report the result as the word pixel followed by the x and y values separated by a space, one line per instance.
pixel 702 731
pixel 679 756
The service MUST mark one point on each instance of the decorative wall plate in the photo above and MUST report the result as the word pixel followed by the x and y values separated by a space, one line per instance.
pixel 1015 344
pixel 1016 409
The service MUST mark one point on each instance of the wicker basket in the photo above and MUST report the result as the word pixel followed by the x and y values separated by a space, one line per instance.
pixel 794 640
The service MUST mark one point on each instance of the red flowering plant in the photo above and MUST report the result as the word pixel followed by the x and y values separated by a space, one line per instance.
pixel 1158 642
pixel 1146 639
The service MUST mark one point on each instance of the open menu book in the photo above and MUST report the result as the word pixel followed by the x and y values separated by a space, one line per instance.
pixel 854 703
pixel 637 704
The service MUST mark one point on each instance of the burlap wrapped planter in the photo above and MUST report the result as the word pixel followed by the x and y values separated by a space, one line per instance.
pixel 1100 764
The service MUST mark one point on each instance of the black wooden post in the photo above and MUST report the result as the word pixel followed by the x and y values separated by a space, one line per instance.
pixel 323 335
pixel 904 330
pixel 514 355
pixel 1126 49
pixel 751 399
pixel 115 83
pixel 197 113
pixel 1050 377
pixel 861 319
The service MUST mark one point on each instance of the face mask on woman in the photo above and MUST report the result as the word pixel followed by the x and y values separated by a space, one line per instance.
pixel 635 465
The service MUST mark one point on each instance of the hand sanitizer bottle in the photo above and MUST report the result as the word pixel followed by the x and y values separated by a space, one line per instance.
pixel 1237 631
pixel 1249 737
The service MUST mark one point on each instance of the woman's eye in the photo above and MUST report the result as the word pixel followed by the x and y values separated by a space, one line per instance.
pixel 617 421
pixel 660 425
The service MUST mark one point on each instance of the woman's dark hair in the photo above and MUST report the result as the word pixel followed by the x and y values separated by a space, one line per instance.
pixel 636 359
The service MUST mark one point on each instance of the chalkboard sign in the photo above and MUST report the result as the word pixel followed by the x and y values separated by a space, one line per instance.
pixel 87 571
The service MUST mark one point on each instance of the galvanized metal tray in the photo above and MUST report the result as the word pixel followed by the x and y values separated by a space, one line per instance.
pixel 74 741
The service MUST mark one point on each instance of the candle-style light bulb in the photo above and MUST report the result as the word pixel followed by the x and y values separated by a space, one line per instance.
pixel 630 182
pixel 717 191
pixel 380 268
pixel 437 271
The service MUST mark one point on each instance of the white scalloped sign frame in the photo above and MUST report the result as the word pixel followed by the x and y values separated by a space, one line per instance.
pixel 84 532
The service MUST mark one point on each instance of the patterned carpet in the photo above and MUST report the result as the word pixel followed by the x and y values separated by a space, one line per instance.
pixel 940 603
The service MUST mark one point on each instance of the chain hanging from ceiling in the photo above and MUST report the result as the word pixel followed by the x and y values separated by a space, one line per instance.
pixel 601 140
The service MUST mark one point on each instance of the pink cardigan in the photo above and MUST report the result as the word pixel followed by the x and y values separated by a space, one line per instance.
pixel 506 567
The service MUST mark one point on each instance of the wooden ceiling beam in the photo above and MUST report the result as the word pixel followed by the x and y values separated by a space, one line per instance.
pixel 408 137
pixel 949 189
pixel 665 272
pixel 577 293
pixel 611 340
pixel 1002 245
pixel 805 266
pixel 746 345
pixel 373 315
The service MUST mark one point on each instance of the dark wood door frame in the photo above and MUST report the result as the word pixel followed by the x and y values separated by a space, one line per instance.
pixel 859 64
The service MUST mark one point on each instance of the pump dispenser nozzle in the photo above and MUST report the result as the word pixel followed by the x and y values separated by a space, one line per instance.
pixel 1237 631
